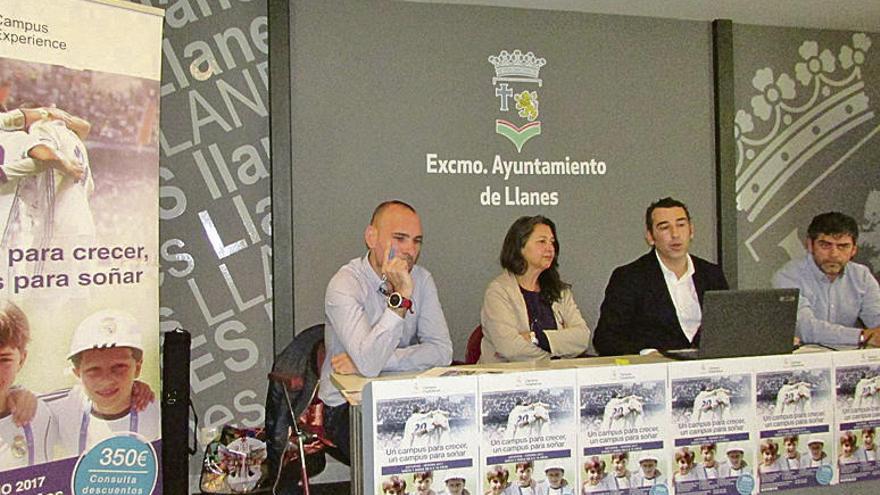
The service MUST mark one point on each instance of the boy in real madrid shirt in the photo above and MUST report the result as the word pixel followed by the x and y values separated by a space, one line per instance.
pixel 107 354
pixel 32 442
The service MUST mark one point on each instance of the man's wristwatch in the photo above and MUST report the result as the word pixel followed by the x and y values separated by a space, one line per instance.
pixel 863 340
pixel 395 301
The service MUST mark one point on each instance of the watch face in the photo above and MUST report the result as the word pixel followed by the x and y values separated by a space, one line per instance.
pixel 394 300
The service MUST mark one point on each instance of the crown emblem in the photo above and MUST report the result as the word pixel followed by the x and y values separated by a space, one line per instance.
pixel 869 239
pixel 517 67
pixel 517 70
pixel 793 119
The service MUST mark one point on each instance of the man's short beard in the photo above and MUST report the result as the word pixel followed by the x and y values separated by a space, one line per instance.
pixel 410 261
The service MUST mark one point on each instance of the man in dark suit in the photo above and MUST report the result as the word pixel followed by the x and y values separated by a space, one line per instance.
pixel 655 301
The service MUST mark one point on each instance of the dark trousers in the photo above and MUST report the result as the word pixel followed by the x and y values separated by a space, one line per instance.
pixel 337 429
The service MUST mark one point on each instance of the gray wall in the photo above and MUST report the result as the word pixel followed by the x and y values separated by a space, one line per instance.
pixel 833 168
pixel 376 86
pixel 215 206
pixel 836 172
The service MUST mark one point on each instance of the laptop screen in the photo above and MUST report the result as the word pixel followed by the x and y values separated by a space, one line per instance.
pixel 751 322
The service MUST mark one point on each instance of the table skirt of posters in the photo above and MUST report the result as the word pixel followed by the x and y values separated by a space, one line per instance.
pixel 728 426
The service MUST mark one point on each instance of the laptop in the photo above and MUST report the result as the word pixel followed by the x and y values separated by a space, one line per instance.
pixel 753 322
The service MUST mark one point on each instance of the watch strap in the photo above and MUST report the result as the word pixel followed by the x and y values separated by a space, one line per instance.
pixel 396 300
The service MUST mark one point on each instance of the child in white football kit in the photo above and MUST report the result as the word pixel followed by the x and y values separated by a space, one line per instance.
pixel 635 410
pixel 417 429
pixel 30 443
pixel 539 420
pixel 703 404
pixel 67 213
pixel 24 159
pixel 440 433
pixel 615 412
pixel 866 395
pixel 518 420
pixel 107 355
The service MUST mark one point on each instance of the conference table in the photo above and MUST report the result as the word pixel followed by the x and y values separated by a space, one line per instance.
pixel 352 386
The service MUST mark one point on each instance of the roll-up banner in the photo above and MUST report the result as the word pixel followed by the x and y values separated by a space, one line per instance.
pixel 79 278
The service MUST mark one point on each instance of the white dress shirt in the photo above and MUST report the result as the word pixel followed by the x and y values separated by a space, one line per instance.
pixel 684 297
pixel 828 312
pixel 359 322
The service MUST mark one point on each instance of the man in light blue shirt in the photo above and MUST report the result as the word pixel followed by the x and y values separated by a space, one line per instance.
pixel 839 299
pixel 381 313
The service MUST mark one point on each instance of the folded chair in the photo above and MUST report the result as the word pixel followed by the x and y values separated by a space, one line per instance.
pixel 296 444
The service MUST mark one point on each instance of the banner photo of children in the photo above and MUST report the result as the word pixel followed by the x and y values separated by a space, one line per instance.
pixel 857 411
pixel 79 163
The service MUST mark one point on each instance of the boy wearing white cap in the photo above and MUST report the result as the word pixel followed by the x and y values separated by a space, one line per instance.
pixel 107 354
pixel 816 456
pixel 648 474
pixel 736 463
pixel 555 482
pixel 454 484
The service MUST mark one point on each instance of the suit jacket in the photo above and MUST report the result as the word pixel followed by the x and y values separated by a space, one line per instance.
pixel 638 312
pixel 504 315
